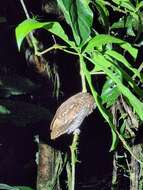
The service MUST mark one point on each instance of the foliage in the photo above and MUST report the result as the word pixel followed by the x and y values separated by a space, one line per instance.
pixel 102 50
pixel 109 51
pixel 79 16
pixel 8 187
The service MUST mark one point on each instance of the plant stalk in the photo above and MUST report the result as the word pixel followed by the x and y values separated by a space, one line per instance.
pixel 73 149
pixel 30 38
pixel 83 80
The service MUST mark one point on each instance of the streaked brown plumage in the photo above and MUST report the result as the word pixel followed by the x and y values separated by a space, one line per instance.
pixel 70 115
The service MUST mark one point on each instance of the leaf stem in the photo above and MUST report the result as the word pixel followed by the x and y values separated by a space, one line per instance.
pixel 56 46
pixel 25 9
pixel 30 39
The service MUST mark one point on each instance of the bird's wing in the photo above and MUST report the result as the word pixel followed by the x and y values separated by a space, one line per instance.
pixel 62 122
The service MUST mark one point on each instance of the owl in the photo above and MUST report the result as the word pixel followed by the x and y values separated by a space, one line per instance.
pixel 70 115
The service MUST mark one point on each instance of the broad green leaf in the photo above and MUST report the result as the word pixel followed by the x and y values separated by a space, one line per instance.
pixel 103 14
pixel 123 127
pixel 97 69
pixel 110 93
pixel 139 6
pixel 120 1
pixel 125 4
pixel 21 114
pixel 107 116
pixel 27 26
pixel 128 6
pixel 7 187
pixel 130 31
pixel 100 40
pixel 119 24
pixel 56 28
pixel 24 188
pixel 79 16
pixel 133 51
pixel 127 78
pixel 4 110
pixel 123 60
pixel 24 28
pixel 134 101
pixel 130 23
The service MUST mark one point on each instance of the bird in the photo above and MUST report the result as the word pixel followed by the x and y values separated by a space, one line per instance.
pixel 71 113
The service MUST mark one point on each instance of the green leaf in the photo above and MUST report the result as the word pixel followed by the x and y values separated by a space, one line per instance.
pixel 8 187
pixel 118 2
pixel 110 93
pixel 56 28
pixel 27 26
pixel 139 6
pixel 24 188
pixel 97 69
pixel 79 16
pixel 123 127
pixel 126 77
pixel 130 23
pixel 102 39
pixel 125 4
pixel 119 24
pixel 123 60
pixel 104 14
pixel 128 5
pixel 4 110
pixel 106 115
pixel 133 51
pixel 134 101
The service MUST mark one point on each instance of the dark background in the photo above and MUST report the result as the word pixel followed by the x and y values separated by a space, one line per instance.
pixel 18 149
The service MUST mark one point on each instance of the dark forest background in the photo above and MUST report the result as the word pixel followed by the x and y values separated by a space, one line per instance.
pixel 17 145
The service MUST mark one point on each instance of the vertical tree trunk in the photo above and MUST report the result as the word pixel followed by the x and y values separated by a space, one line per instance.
pixel 46 168
pixel 136 174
